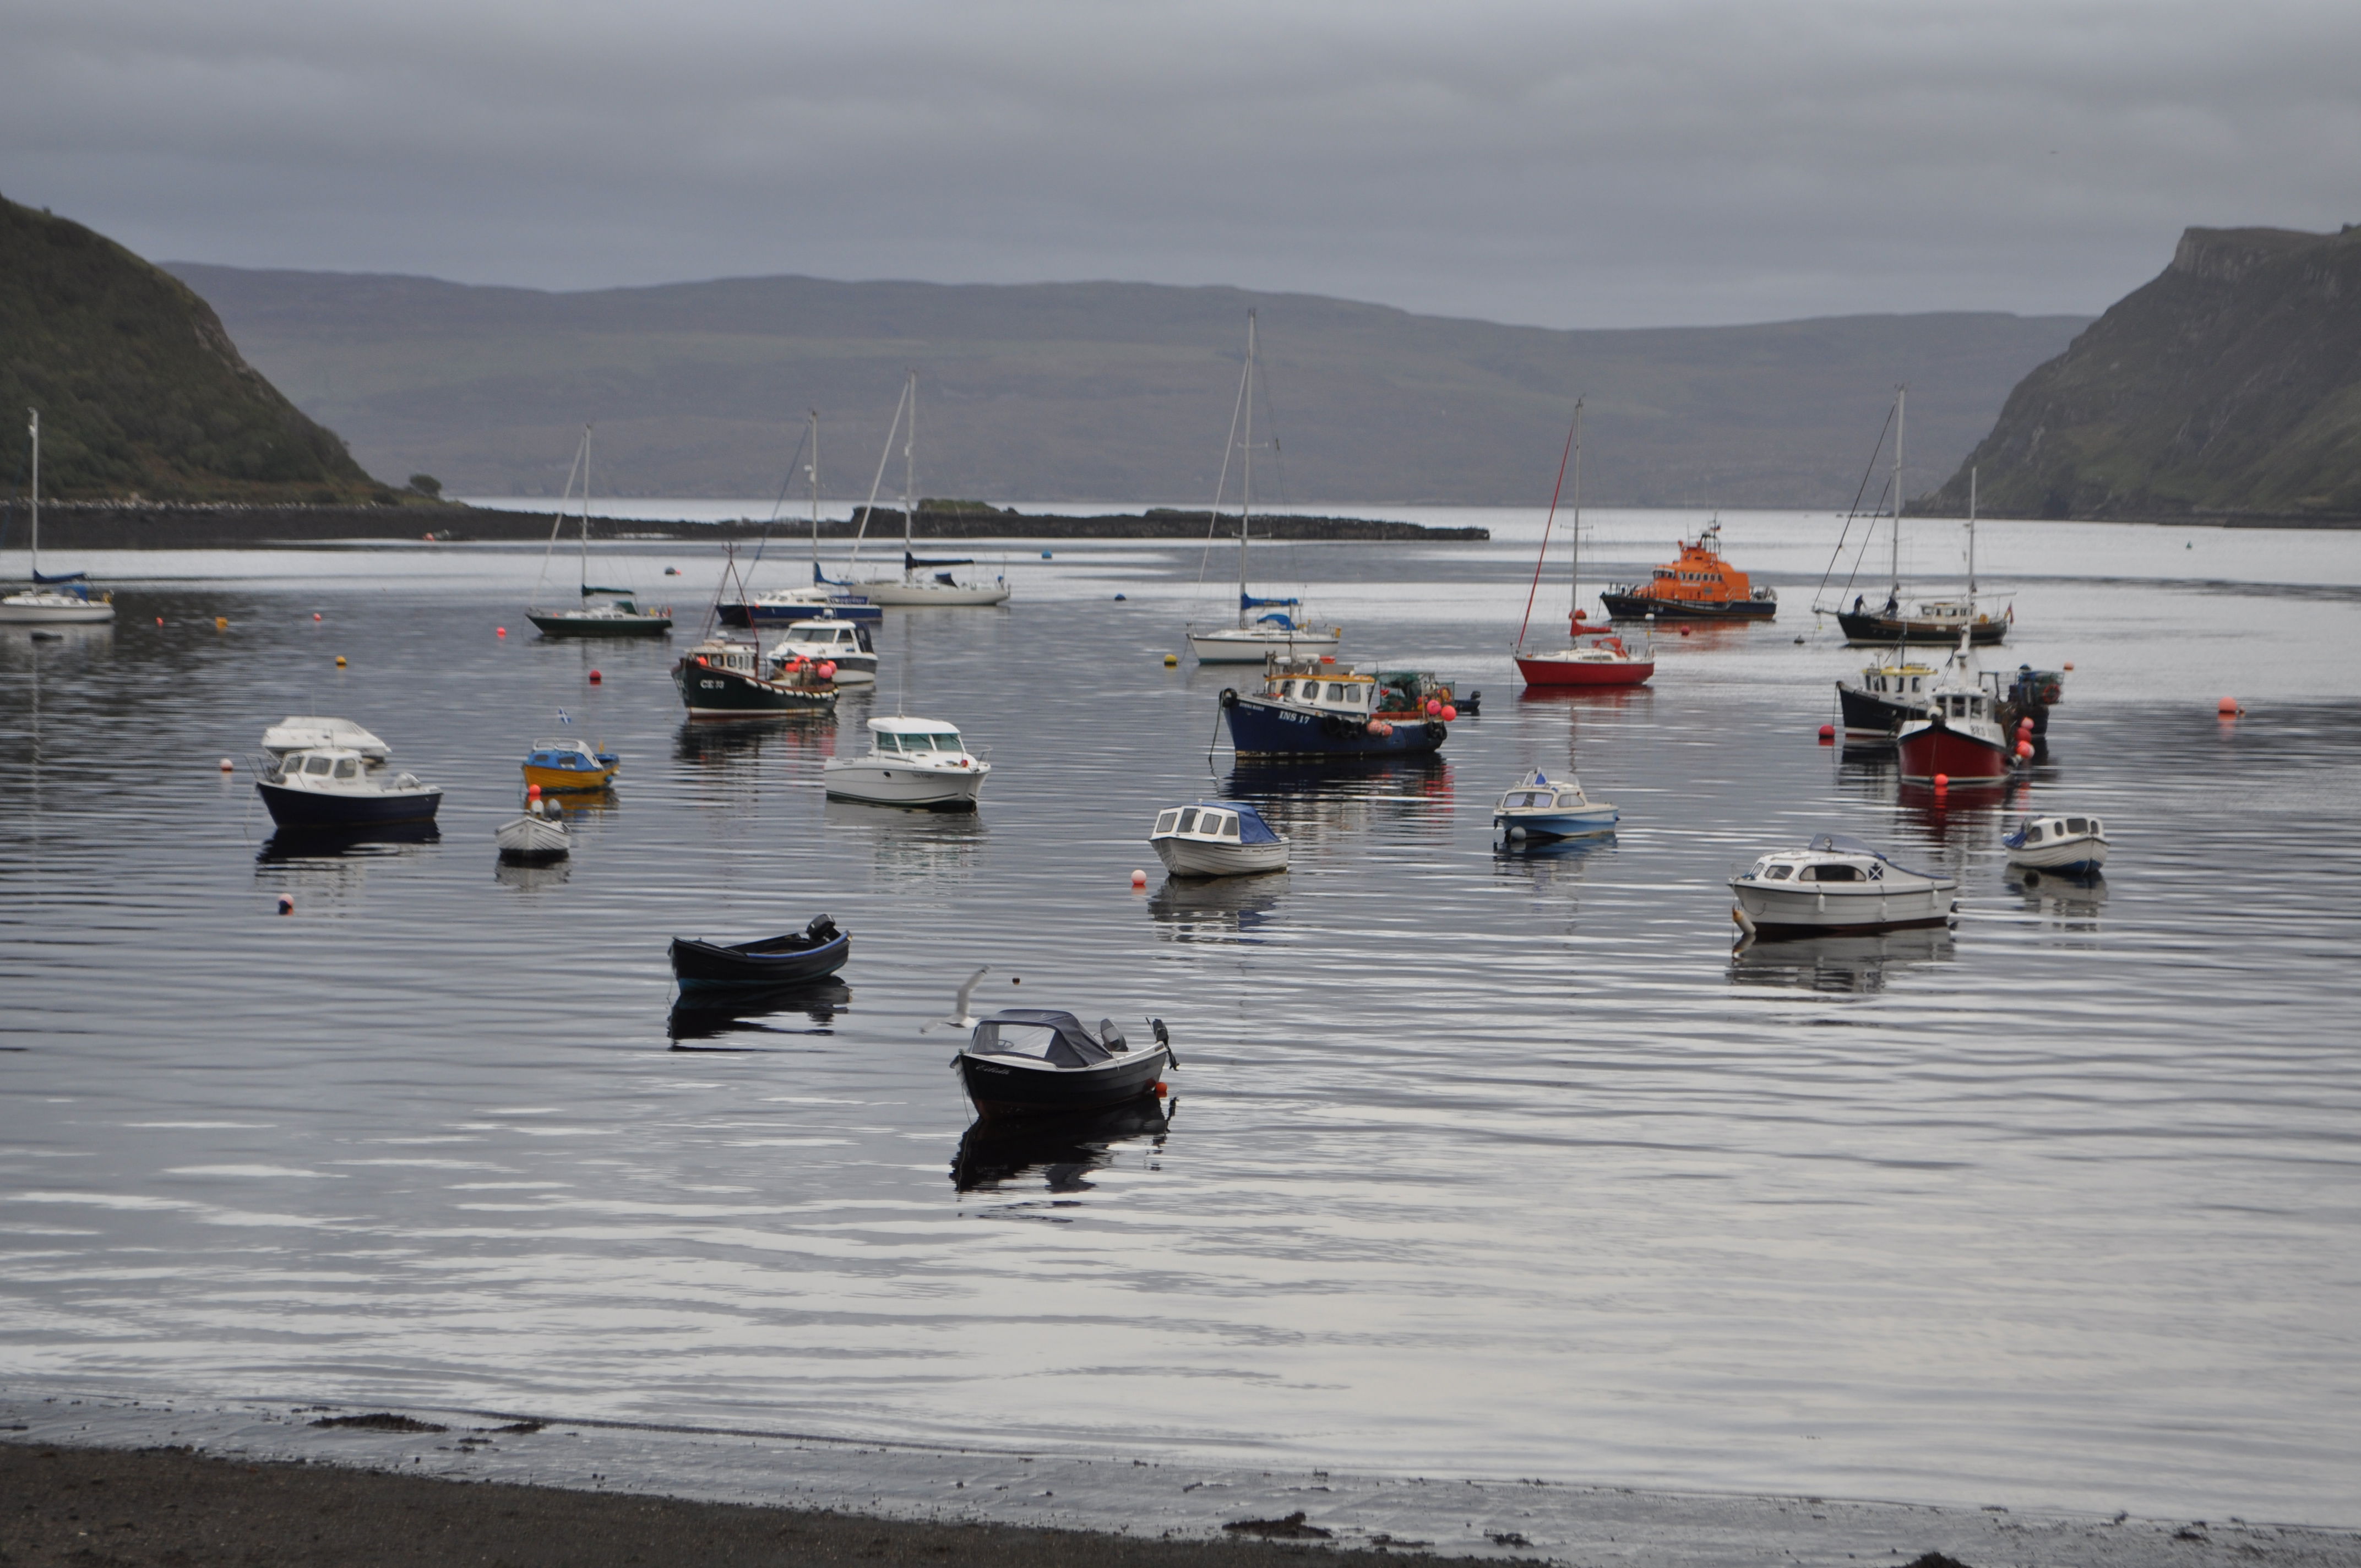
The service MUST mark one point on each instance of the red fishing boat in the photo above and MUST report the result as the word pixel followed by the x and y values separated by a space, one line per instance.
pixel 1958 739
pixel 1595 655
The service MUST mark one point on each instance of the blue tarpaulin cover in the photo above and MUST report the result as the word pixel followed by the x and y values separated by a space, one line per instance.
pixel 1252 829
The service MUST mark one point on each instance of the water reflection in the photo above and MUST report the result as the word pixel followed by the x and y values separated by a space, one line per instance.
pixel 1064 1151
pixel 1219 909
pixel 1546 862
pixel 712 1013
pixel 2068 902
pixel 320 860
pixel 531 877
pixel 734 743
pixel 1841 966
pixel 909 846
pixel 1315 804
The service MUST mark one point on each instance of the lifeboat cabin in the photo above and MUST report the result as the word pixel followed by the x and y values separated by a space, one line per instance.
pixel 1700 585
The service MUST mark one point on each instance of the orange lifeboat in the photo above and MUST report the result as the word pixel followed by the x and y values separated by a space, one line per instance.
pixel 1700 585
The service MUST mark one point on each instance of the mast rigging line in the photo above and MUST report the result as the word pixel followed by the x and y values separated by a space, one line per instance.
pixel 558 520
pixel 1543 554
pixel 1214 517
pixel 1853 514
pixel 876 483
pixel 801 442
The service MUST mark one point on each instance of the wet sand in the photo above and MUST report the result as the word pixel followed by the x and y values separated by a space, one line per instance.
pixel 92 1507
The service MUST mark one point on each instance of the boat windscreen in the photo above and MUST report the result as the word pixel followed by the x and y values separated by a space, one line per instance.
pixel 1059 1044
pixel 1252 829
pixel 1845 844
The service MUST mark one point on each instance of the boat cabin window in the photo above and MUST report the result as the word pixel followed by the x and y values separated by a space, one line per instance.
pixel 1189 821
pixel 1779 873
pixel 1526 797
pixel 1229 828
pixel 317 764
pixel 942 740
pixel 2097 826
pixel 1830 871
pixel 2078 825
pixel 1915 682
pixel 1017 1039
pixel 347 768
pixel 1164 821
pixel 2033 834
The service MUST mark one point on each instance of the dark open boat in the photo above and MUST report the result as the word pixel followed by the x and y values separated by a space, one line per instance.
pixel 1033 1062
pixel 815 952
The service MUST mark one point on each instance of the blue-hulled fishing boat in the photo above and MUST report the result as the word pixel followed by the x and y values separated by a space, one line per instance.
pixel 1317 707
pixel 1541 807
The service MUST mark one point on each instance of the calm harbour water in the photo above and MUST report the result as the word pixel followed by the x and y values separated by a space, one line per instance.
pixel 1479 1165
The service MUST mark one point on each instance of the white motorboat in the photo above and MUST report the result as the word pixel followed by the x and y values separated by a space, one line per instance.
pixel 539 835
pixel 911 761
pixel 914 586
pixel 1543 807
pixel 1277 631
pixel 1838 884
pixel 63 599
pixel 1217 838
pixel 2075 845
pixel 305 733
pixel 828 642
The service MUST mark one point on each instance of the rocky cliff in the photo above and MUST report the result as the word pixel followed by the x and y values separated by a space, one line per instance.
pixel 2228 389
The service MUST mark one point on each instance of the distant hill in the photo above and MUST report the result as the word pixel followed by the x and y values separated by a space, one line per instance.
pixel 140 391
pixel 1102 392
pixel 2228 387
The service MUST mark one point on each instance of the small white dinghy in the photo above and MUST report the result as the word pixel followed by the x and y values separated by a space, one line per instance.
pixel 1541 808
pixel 1217 838
pixel 1835 886
pixel 2075 845
pixel 539 835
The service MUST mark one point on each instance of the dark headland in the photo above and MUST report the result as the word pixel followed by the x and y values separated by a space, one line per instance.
pixel 128 526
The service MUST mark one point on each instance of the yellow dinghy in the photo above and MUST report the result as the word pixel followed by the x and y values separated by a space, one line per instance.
pixel 562 767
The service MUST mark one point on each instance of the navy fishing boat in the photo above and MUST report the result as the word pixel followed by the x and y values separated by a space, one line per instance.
pixel 813 953
pixel 334 788
pixel 1034 1062
pixel 1317 707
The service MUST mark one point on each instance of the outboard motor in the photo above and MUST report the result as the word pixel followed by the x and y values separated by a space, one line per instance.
pixel 1112 1038
pixel 822 930
pixel 1164 1039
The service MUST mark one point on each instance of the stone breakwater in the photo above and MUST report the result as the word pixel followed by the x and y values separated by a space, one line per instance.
pixel 108 525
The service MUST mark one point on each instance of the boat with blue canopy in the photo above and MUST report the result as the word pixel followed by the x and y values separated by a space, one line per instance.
pixel 1217 838
pixel 1541 808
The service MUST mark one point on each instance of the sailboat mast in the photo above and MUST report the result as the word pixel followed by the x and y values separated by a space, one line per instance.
pixel 36 428
pixel 585 510
pixel 1971 538
pixel 1245 507
pixel 1574 585
pixel 813 469
pixel 909 473
pixel 1897 498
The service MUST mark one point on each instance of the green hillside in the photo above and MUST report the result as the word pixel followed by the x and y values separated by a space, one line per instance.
pixel 2230 386
pixel 1116 392
pixel 140 391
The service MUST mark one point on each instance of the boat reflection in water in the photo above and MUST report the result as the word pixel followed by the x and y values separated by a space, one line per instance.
pixel 738 742
pixel 1839 966
pixel 1065 1151
pixel 720 1013
pixel 1321 803
pixel 1542 863
pixel 2069 902
pixel 1224 909
pixel 911 847
pixel 321 861
pixel 527 876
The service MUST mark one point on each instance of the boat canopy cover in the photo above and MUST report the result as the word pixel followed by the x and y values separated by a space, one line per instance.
pixel 1845 844
pixel 1068 1044
pixel 45 578
pixel 911 563
pixel 1247 601
pixel 1252 829
pixel 589 588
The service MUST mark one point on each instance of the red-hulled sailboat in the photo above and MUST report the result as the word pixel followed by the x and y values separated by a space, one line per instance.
pixel 1958 739
pixel 1595 655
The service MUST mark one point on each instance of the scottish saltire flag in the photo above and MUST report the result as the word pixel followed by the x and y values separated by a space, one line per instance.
pixel 562 717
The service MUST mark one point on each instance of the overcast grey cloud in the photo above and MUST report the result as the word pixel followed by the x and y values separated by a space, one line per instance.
pixel 1559 164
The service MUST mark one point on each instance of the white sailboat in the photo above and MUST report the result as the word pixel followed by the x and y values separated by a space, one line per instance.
pixel 913 586
pixel 1257 637
pixel 62 600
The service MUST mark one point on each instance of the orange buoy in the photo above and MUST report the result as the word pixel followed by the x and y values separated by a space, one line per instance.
pixel 532 791
pixel 1942 782
pixel 340 661
pixel 2228 706
pixel 500 631
pixel 228 766
pixel 1160 1091
pixel 596 677
pixel 221 623
pixel 1828 732
pixel 2065 667
pixel 1139 879
pixel 315 615
pixel 1450 712
pixel 2025 750
pixel 1327 658
pixel 160 620
pixel 828 669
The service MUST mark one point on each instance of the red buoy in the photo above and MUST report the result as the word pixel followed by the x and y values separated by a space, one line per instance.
pixel 1827 731
pixel 2025 750
pixel 596 677
pixel 2228 707
pixel 532 791
pixel 315 615
pixel 1450 713
pixel 1139 879
pixel 1942 782
pixel 500 631
pixel 1434 706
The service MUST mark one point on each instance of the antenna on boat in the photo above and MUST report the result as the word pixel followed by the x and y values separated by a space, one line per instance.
pixel 1898 393
pixel 1971 540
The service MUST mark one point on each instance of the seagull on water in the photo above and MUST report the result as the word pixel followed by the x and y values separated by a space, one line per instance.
pixel 959 1019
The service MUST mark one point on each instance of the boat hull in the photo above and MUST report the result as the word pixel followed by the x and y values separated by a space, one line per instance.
pixel 53 609
pixel 1539 670
pixel 701 965
pixel 1261 728
pixel 1959 756
pixel 569 781
pixel 564 625
pixel 865 779
pixel 708 690
pixel 1869 628
pixel 1555 824
pixel 913 596
pixel 1232 647
pixel 533 838
pixel 1202 857
pixel 2075 857
pixel 1639 607
pixel 324 809
pixel 1005 1090
pixel 1842 908
pixel 751 612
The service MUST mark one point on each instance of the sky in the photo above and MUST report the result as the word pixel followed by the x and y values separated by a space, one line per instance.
pixel 1550 162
